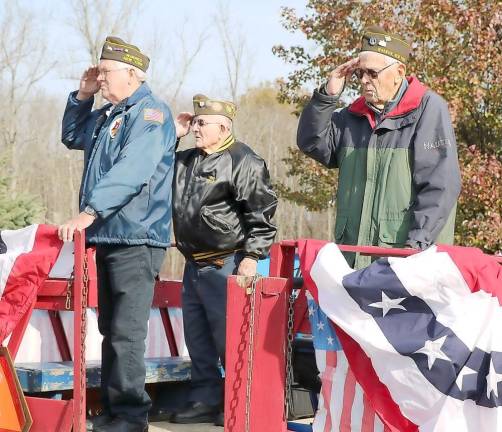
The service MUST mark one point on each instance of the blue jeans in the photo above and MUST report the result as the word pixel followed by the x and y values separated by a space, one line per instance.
pixel 204 321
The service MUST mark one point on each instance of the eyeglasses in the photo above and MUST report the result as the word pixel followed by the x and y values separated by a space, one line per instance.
pixel 105 71
pixel 201 123
pixel 372 73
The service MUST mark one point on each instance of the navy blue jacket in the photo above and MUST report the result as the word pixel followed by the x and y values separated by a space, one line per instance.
pixel 129 160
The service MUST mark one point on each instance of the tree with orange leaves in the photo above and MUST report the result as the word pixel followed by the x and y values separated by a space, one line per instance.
pixel 456 51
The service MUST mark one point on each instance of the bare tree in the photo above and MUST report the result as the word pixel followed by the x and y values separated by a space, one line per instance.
pixel 96 19
pixel 169 73
pixel 23 63
pixel 235 50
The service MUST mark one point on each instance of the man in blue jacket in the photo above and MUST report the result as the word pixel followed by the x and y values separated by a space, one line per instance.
pixel 125 204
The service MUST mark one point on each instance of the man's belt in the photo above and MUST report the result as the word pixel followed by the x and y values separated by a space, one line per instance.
pixel 218 262
pixel 212 258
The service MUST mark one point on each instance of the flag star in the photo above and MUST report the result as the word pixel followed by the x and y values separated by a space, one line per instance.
pixel 387 304
pixel 311 310
pixel 492 380
pixel 464 372
pixel 320 325
pixel 330 340
pixel 432 349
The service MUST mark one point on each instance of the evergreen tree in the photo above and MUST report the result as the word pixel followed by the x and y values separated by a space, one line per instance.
pixel 16 210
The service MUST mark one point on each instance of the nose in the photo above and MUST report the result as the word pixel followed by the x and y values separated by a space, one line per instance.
pixel 365 79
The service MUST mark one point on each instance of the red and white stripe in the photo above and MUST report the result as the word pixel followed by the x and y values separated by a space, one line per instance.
pixel 31 253
pixel 400 392
pixel 342 407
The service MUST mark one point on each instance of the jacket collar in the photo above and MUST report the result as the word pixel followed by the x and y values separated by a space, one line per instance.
pixel 142 91
pixel 411 100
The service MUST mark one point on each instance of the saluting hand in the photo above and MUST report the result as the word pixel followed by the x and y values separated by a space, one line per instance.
pixel 89 84
pixel 182 123
pixel 338 76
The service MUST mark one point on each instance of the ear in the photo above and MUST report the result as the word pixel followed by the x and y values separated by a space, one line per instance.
pixel 402 70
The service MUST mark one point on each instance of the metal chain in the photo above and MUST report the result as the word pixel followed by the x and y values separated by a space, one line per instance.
pixel 289 356
pixel 69 290
pixel 83 331
pixel 252 292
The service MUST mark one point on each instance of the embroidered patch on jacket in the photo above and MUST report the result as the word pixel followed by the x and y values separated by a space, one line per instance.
pixel 437 144
pixel 150 114
pixel 114 127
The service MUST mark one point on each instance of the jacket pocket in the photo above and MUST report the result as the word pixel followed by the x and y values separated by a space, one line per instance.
pixel 394 232
pixel 340 228
pixel 214 221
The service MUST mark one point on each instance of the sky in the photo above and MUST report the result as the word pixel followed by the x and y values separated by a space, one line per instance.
pixel 258 21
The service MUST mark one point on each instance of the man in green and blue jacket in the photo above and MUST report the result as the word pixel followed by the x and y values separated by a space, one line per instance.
pixel 395 149
pixel 125 204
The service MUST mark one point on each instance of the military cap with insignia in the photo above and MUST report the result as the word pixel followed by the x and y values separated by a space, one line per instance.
pixel 115 48
pixel 203 105
pixel 376 39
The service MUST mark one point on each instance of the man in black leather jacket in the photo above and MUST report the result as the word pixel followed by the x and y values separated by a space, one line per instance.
pixel 223 204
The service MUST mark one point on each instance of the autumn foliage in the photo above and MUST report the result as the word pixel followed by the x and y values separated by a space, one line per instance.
pixel 456 51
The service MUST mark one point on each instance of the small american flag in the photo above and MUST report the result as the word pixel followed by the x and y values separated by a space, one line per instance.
pixel 151 114
pixel 342 404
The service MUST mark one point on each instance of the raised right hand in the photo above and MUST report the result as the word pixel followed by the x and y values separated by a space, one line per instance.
pixel 182 123
pixel 89 84
pixel 337 77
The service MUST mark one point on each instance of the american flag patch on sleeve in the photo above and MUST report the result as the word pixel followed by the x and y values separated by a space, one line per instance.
pixel 150 114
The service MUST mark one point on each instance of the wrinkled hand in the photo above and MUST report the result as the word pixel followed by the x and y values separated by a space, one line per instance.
pixel 78 223
pixel 338 76
pixel 89 84
pixel 415 244
pixel 183 124
pixel 247 267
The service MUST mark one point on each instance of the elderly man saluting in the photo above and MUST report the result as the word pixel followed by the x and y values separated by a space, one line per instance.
pixel 125 205
pixel 223 205
pixel 394 147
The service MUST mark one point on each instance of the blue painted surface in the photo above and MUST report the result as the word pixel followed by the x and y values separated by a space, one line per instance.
pixel 264 266
pixel 42 377
pixel 299 427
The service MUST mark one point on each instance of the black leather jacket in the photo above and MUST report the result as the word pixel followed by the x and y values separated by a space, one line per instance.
pixel 223 201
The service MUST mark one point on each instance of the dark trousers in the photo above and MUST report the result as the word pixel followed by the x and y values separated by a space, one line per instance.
pixel 204 322
pixel 126 277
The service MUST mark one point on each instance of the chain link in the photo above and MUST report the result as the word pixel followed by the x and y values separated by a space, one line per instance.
pixel 252 292
pixel 83 331
pixel 289 355
pixel 69 290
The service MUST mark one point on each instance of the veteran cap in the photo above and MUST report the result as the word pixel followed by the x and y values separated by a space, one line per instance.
pixel 203 105
pixel 115 48
pixel 376 39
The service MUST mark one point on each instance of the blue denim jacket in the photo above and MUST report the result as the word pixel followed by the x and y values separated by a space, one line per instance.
pixel 128 166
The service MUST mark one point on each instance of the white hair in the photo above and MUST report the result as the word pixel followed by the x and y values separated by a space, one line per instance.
pixel 390 60
pixel 227 122
pixel 140 75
